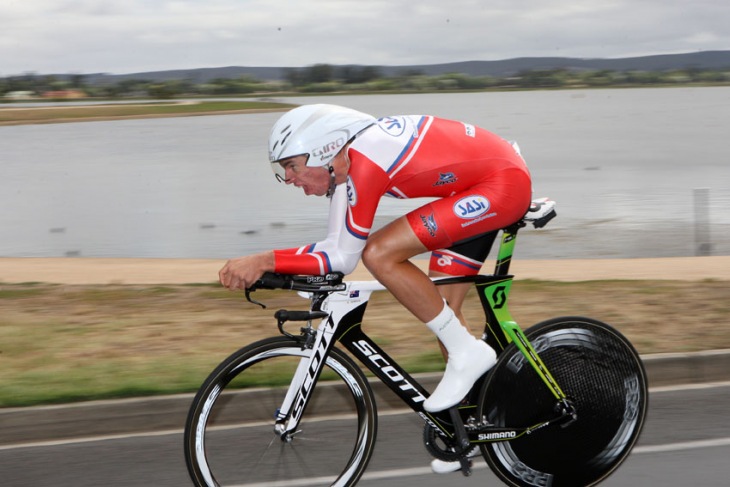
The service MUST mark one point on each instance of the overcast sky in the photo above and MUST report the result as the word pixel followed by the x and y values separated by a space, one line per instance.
pixel 129 36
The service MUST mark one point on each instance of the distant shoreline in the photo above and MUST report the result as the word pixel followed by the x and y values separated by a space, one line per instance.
pixel 61 111
pixel 10 116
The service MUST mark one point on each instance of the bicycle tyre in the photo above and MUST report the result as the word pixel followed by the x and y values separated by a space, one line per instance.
pixel 229 436
pixel 601 374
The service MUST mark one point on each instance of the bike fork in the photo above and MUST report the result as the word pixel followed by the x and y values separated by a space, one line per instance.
pixel 289 414
pixel 283 412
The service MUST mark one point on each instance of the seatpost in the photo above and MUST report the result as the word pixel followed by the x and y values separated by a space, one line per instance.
pixel 506 248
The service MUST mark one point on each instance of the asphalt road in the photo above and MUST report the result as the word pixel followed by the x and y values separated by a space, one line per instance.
pixel 686 441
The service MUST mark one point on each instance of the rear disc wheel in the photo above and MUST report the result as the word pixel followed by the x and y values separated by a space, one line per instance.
pixel 604 379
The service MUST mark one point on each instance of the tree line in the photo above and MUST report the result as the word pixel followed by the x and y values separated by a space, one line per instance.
pixel 325 78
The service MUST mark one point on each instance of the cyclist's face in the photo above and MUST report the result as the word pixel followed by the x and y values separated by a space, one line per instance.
pixel 313 180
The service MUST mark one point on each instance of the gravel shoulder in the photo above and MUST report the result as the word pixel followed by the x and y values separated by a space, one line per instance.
pixel 185 271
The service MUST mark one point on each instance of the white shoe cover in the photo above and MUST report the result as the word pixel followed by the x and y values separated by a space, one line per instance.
pixel 462 371
pixel 441 466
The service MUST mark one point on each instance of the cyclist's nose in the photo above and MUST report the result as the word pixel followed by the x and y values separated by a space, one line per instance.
pixel 289 175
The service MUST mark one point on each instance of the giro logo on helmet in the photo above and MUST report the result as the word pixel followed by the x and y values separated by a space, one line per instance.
pixel 326 150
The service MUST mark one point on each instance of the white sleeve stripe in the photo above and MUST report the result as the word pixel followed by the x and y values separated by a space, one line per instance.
pixel 415 147
pixel 354 225
pixel 320 261
pixel 460 256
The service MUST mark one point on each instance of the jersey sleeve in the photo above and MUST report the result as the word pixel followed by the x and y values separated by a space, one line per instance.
pixel 337 253
pixel 352 212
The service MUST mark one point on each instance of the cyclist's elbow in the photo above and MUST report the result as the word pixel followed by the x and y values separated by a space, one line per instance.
pixel 345 263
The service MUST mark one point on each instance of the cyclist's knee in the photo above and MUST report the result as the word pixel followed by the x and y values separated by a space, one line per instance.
pixel 380 255
pixel 374 256
pixel 389 246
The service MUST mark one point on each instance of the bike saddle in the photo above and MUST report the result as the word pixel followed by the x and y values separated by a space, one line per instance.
pixel 541 211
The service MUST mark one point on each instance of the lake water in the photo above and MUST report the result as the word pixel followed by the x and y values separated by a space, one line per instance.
pixel 623 165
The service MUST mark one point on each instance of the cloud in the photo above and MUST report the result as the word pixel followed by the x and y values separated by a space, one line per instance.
pixel 142 35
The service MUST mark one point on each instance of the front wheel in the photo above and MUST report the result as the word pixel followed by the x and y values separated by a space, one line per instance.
pixel 602 376
pixel 229 433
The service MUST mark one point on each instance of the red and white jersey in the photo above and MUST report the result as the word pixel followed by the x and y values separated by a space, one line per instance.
pixel 405 157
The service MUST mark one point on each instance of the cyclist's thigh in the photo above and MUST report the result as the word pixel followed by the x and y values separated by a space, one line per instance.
pixel 485 207
pixel 464 258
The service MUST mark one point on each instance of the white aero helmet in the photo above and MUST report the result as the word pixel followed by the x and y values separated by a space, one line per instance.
pixel 316 131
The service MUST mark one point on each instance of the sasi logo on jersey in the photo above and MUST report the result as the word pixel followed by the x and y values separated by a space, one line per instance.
pixel 351 192
pixel 471 207
pixel 394 126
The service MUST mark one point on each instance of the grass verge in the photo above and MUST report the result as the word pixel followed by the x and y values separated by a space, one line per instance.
pixel 63 343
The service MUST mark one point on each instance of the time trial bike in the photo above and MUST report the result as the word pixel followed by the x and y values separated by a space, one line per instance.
pixel 563 406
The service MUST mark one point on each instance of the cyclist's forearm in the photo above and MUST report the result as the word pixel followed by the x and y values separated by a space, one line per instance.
pixel 242 272
pixel 301 263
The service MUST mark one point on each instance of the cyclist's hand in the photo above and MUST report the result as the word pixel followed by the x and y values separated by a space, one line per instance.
pixel 242 272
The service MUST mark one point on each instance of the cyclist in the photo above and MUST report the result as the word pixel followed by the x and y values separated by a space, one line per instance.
pixel 480 184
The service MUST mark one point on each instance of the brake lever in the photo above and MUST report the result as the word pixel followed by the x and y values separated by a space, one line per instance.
pixel 250 300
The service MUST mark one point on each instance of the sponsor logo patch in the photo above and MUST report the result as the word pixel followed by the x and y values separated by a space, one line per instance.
pixel 394 126
pixel 471 207
pixel 446 178
pixel 351 192
pixel 430 223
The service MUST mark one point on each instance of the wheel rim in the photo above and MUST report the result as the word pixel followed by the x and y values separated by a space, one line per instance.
pixel 599 372
pixel 311 450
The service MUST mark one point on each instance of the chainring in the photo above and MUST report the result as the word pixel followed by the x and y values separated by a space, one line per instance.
pixel 439 447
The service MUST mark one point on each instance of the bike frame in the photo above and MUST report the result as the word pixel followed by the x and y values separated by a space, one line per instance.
pixel 345 309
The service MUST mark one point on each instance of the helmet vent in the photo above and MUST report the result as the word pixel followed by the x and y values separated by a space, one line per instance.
pixel 283 141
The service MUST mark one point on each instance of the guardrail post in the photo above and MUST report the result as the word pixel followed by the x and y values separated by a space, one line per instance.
pixel 703 244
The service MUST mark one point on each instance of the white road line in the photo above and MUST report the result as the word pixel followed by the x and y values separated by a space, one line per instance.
pixel 88 439
pixel 149 434
pixel 640 449
pixel 688 387
pixel 684 445
pixel 479 465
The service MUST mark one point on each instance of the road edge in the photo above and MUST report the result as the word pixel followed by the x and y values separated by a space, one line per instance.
pixel 168 413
